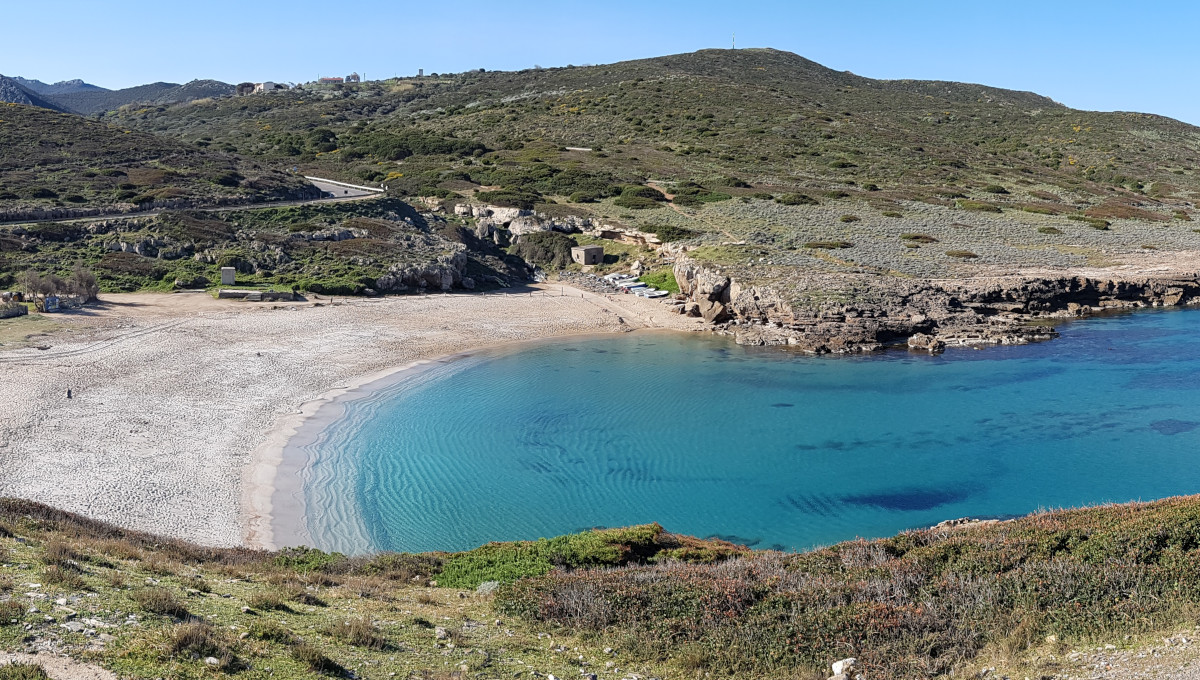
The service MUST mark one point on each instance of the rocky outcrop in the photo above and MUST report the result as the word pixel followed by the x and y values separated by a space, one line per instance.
pixel 928 315
pixel 444 274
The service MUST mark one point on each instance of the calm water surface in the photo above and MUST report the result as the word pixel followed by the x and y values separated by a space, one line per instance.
pixel 756 445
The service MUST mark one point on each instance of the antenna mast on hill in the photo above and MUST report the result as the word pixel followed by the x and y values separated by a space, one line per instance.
pixel 734 41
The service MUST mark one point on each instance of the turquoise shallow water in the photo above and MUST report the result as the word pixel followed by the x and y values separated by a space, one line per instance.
pixel 756 445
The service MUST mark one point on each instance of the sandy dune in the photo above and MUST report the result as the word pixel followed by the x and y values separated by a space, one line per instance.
pixel 172 394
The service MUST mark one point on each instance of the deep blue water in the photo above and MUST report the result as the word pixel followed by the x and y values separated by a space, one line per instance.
pixel 757 445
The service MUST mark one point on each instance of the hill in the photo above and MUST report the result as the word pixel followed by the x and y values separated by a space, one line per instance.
pixel 13 92
pixel 1027 597
pixel 61 164
pixel 60 88
pixel 90 102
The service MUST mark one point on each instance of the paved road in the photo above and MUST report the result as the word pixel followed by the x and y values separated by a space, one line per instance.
pixel 336 192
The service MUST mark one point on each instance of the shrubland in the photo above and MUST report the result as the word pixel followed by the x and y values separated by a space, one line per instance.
pixel 1018 595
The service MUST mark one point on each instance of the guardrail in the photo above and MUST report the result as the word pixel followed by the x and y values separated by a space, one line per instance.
pixel 343 184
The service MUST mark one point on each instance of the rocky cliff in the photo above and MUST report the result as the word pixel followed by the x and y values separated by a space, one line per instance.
pixel 927 314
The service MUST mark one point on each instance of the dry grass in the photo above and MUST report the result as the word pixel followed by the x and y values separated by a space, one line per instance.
pixel 159 601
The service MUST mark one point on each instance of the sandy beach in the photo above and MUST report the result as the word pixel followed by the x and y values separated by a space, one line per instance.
pixel 181 405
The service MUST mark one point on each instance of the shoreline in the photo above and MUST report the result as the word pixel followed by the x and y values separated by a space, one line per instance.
pixel 180 403
pixel 274 506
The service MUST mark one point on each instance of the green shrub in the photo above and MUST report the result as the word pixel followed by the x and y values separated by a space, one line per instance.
pixel 828 245
pixel 796 199
pixel 892 213
pixel 228 179
pixel 977 206
pixel 1049 230
pixel 545 248
pixel 995 189
pixel 304 559
pixel 159 601
pixel 510 198
pixel 41 192
pixel 22 671
pixel 639 191
pixel 316 661
pixel 733 182
pixel 961 254
pixel 1093 222
pixel 584 197
pixel 662 279
pixel 359 632
pixel 686 201
pixel 669 232
pixel 849 218
pixel 270 631
pixel 11 613
pixel 506 562
pixel 918 238
pixel 636 203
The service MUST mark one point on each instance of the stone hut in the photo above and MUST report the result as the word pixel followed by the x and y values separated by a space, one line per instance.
pixel 588 255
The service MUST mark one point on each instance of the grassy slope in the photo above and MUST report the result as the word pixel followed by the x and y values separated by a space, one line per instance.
pixel 915 605
pixel 1008 176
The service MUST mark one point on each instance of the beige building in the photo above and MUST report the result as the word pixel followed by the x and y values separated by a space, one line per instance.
pixel 588 255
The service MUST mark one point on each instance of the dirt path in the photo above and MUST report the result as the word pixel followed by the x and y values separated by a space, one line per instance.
pixel 58 667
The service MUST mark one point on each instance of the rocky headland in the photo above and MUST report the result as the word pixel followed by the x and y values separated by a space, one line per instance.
pixel 864 313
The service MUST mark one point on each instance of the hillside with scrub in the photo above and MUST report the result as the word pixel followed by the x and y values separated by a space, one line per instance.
pixel 1026 597
pixel 783 193
pixel 56 164
pixel 769 167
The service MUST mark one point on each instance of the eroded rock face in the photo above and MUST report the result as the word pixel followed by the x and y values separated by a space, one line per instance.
pixel 928 315
pixel 444 274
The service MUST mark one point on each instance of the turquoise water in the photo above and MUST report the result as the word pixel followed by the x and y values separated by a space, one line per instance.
pixel 756 445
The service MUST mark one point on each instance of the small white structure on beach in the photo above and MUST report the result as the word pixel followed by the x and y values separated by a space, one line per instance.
pixel 227 276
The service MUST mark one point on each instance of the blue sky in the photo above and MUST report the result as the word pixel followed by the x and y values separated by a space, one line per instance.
pixel 1091 55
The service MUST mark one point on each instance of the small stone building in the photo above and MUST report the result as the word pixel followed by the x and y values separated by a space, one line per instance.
pixel 588 255
pixel 228 274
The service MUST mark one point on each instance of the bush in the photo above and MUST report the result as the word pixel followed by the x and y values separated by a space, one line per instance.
pixel 22 671
pixel 977 206
pixel 961 254
pixel 662 279
pixel 11 613
pixel 510 198
pixel 204 641
pixel 584 197
pixel 639 191
pixel 228 179
pixel 360 632
pixel 549 249
pixel 159 601
pixel 796 199
pixel 686 201
pixel 918 238
pixel 849 218
pixel 1093 222
pixel 828 245
pixel 41 192
pixel 316 661
pixel 733 182
pixel 669 232
pixel 892 213
pixel 995 189
pixel 1049 230
pixel 270 631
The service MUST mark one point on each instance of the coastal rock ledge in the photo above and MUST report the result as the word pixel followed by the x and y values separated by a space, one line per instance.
pixel 827 314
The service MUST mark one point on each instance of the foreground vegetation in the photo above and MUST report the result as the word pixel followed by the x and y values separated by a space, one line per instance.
pixel 620 602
